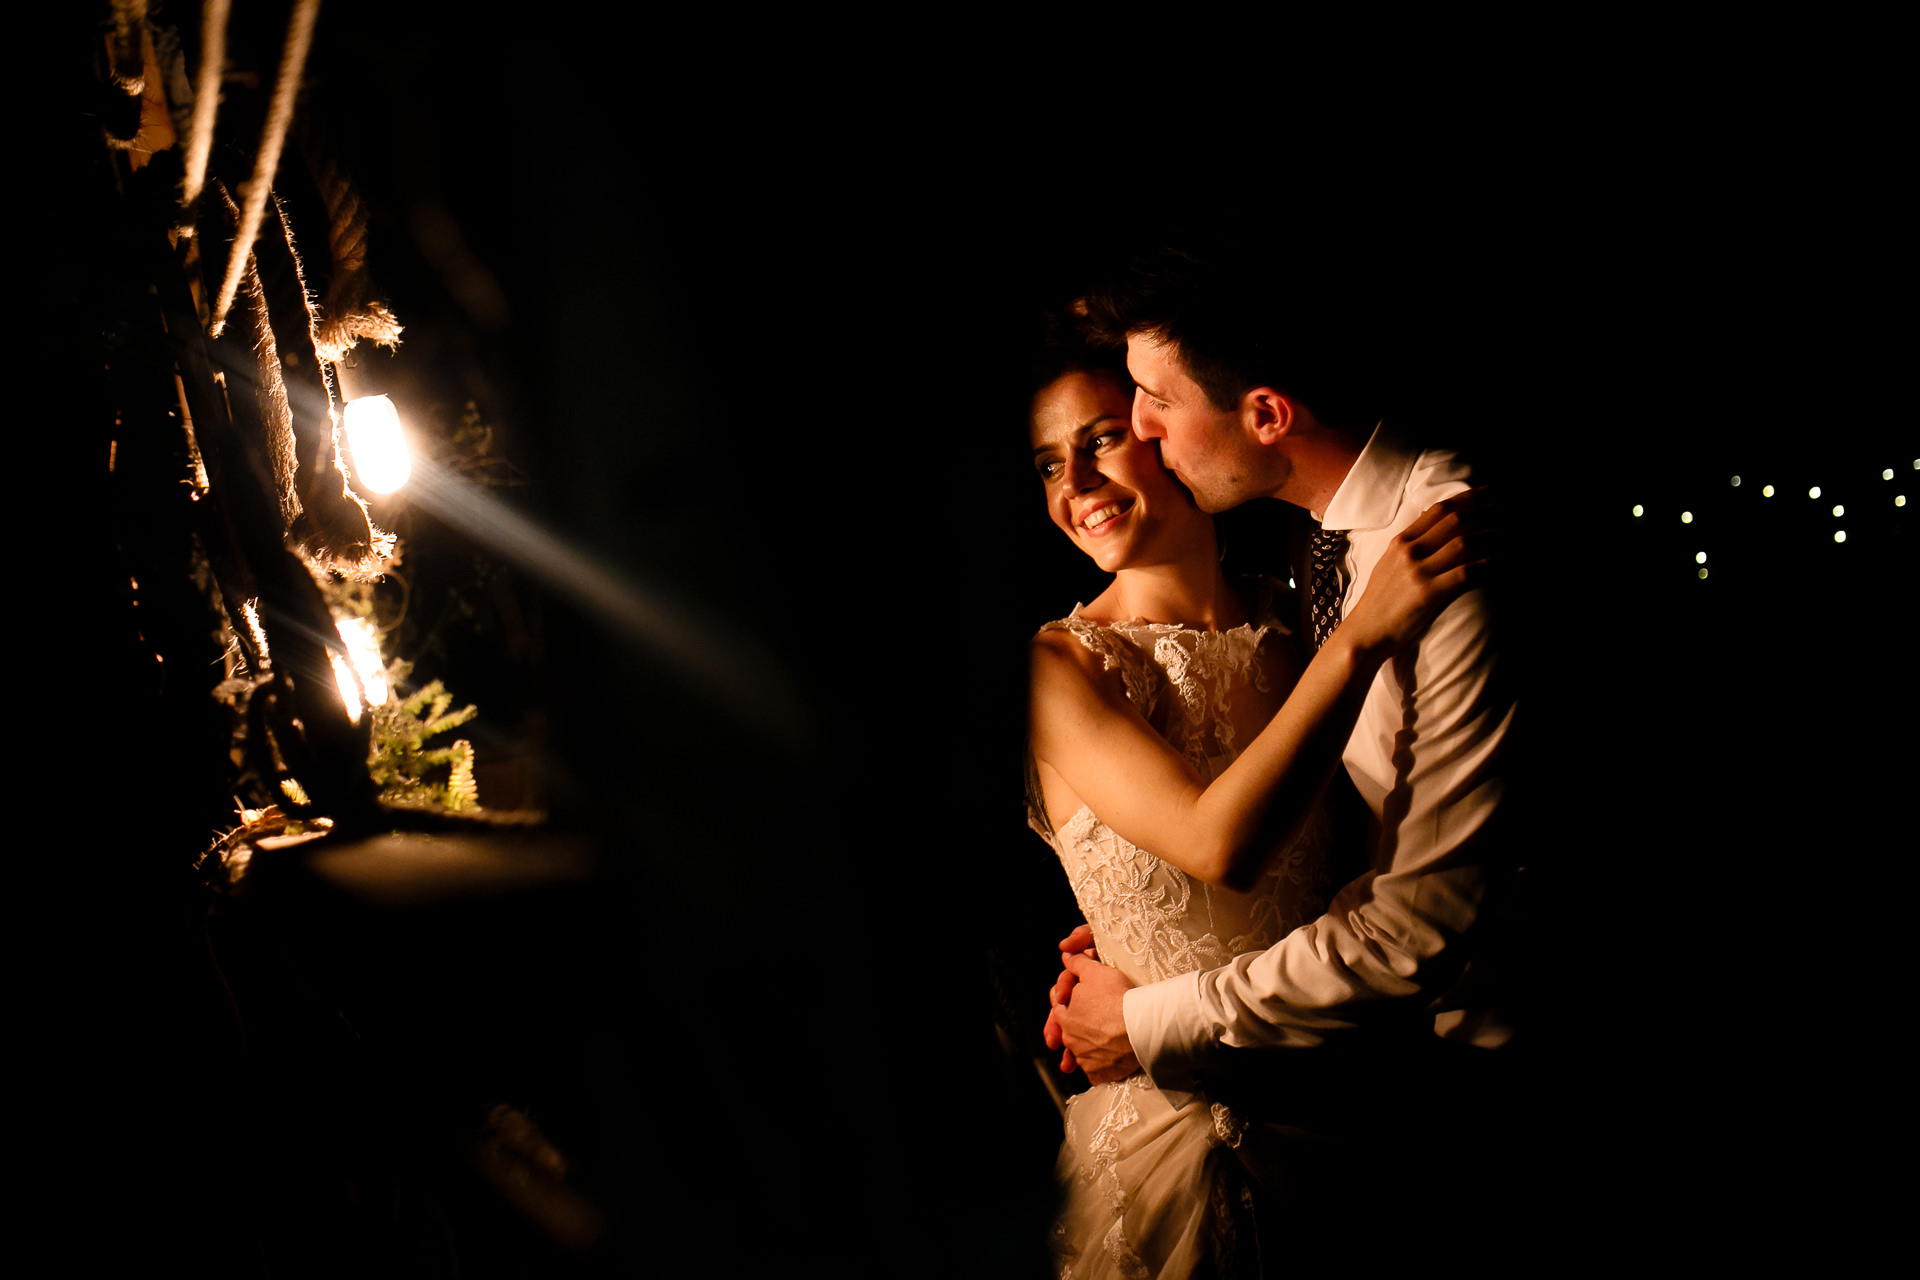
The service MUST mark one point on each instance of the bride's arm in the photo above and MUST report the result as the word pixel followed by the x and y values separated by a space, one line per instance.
pixel 1085 730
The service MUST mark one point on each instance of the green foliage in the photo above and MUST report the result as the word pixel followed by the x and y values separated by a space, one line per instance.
pixel 403 766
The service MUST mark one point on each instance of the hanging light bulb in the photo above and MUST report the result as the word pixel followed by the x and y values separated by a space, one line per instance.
pixel 360 673
pixel 376 445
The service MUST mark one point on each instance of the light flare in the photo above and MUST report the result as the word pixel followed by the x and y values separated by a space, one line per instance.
pixel 729 660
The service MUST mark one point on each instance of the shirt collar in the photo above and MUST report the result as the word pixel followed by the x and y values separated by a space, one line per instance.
pixel 1369 497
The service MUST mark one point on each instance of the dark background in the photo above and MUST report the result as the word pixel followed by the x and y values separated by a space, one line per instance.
pixel 747 312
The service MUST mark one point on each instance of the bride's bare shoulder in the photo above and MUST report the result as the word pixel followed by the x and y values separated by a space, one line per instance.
pixel 1079 653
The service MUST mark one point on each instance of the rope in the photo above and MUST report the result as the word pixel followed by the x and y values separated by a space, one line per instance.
pixel 276 443
pixel 273 138
pixel 346 315
pixel 206 101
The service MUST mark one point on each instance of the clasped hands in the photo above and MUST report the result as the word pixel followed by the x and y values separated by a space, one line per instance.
pixel 1086 1022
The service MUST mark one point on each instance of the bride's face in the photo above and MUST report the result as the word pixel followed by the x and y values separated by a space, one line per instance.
pixel 1106 488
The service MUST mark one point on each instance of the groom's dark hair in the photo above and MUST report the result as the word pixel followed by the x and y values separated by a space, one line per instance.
pixel 1238 317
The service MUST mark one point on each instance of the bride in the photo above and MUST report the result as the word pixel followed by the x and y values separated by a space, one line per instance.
pixel 1173 715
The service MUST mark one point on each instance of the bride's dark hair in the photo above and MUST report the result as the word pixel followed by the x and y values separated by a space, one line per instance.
pixel 1065 346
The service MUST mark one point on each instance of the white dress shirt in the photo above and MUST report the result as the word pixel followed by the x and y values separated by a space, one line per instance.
pixel 1425 756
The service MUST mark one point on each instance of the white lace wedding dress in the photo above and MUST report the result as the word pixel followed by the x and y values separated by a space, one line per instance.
pixel 1151 1189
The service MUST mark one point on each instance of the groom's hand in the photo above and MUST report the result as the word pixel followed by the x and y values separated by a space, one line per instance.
pixel 1091 1022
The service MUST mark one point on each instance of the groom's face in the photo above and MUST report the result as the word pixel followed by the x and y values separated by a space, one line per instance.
pixel 1203 445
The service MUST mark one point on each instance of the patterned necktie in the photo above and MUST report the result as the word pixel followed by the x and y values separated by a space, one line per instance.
pixel 1324 553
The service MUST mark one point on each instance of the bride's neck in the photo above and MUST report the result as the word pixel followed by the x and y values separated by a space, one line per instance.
pixel 1189 595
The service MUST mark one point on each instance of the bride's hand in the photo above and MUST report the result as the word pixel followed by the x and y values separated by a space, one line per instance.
pixel 1080 940
pixel 1424 568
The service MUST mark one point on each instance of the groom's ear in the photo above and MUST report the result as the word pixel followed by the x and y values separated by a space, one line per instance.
pixel 1268 414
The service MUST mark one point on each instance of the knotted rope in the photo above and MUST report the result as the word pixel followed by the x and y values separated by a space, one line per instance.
pixel 346 314
pixel 273 138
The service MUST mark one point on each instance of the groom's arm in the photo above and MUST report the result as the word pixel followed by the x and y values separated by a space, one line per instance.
pixel 1393 939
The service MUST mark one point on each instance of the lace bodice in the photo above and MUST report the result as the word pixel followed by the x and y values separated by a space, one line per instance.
pixel 1150 919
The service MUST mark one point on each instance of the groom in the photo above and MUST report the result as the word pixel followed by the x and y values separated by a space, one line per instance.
pixel 1393 992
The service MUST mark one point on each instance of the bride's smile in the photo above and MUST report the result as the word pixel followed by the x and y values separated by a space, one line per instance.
pixel 1095 518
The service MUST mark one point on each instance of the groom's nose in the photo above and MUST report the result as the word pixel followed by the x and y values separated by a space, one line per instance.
pixel 1145 424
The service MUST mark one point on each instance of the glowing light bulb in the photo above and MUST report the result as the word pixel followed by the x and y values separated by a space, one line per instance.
pixel 1686 517
pixel 1766 491
pixel 361 673
pixel 1639 510
pixel 1814 492
pixel 1839 535
pixel 1701 574
pixel 1887 474
pixel 1900 500
pixel 349 688
pixel 1699 557
pixel 1839 510
pixel 379 448
pixel 1736 482
pixel 362 639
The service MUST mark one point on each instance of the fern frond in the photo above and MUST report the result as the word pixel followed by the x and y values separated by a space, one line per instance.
pixel 461 789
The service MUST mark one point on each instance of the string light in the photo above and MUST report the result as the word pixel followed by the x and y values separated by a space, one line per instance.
pixel 1686 517
pixel 377 445
pixel 1736 482
pixel 1899 499
pixel 1699 557
pixel 1638 510
pixel 1839 535
pixel 1701 574
pixel 360 674
pixel 1766 491
pixel 1814 492
pixel 1839 510
pixel 1887 474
